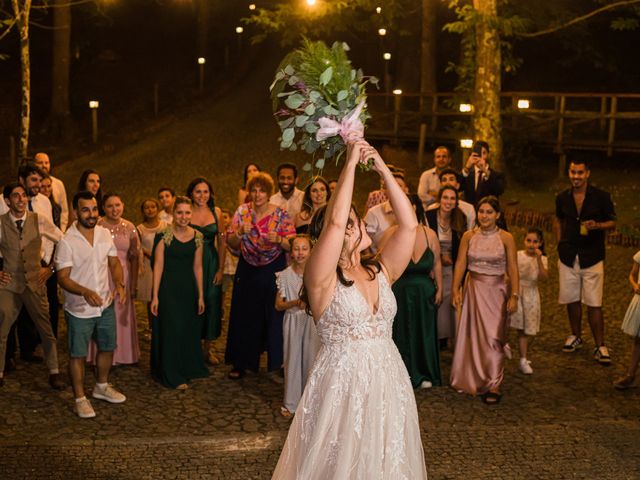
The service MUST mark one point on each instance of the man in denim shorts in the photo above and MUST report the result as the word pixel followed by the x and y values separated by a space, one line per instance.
pixel 85 257
pixel 583 215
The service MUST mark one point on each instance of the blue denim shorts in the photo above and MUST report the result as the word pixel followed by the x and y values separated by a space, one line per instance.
pixel 81 331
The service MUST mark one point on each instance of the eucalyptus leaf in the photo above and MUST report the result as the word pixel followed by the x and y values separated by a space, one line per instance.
pixel 286 123
pixel 294 101
pixel 310 109
pixel 311 127
pixel 289 70
pixel 307 167
pixel 293 147
pixel 342 94
pixel 301 120
pixel 315 96
pixel 293 80
pixel 325 77
pixel 320 163
pixel 288 134
pixel 284 145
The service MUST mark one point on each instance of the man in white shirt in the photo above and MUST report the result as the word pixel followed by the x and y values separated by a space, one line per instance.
pixel 380 217
pixel 429 184
pixel 166 197
pixel 449 177
pixel 288 198
pixel 59 193
pixel 85 257
pixel 23 278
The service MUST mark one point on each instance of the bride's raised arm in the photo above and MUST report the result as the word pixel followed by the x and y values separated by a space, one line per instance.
pixel 396 254
pixel 320 272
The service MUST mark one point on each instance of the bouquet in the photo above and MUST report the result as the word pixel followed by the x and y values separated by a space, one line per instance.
pixel 319 101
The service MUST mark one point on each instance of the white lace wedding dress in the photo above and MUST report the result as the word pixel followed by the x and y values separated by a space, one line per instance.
pixel 357 418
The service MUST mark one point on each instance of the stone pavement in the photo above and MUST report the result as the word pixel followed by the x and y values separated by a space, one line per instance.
pixel 564 421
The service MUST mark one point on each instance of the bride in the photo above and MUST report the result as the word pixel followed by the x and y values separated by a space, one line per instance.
pixel 357 418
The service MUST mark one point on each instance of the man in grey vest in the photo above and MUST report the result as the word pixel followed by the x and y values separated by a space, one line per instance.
pixel 21 278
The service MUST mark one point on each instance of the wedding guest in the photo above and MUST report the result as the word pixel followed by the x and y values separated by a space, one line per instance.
pixel 489 253
pixel 380 217
pixel 125 238
pixel 418 293
pixel 204 218
pixel 479 179
pixel 429 183
pixel 631 326
pixel 147 230
pixel 378 197
pixel 21 279
pixel 288 198
pixel 301 342
pixel 261 230
pixel 332 185
pixel 315 195
pixel 85 258
pixel 449 177
pixel 449 224
pixel 91 181
pixel 178 301
pixel 166 197
pixel 230 258
pixel 250 169
pixel 59 192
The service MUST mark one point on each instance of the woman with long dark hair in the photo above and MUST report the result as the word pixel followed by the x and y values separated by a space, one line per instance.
pixel 205 218
pixel 250 169
pixel 489 254
pixel 357 417
pixel 91 181
pixel 316 195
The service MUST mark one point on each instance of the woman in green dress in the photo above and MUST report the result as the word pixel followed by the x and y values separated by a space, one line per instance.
pixel 415 328
pixel 178 302
pixel 205 220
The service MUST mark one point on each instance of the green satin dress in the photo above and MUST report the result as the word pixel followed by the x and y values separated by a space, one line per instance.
pixel 212 325
pixel 415 328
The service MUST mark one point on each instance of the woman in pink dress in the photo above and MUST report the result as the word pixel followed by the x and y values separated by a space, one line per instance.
pixel 128 245
pixel 489 253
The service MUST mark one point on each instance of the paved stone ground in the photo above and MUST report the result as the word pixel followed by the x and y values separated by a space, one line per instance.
pixel 565 421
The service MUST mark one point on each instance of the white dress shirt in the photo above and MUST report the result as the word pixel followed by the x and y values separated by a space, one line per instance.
pixel 429 181
pixel 292 205
pixel 59 194
pixel 89 268
pixel 378 219
pixel 466 208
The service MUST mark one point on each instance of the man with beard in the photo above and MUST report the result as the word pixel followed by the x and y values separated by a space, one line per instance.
pixel 85 257
pixel 21 278
pixel 58 191
pixel 288 198
pixel 583 215
pixel 429 184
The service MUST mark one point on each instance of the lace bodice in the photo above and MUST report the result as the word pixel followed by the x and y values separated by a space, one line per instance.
pixel 349 316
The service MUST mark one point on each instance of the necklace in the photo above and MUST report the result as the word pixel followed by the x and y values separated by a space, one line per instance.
pixel 443 228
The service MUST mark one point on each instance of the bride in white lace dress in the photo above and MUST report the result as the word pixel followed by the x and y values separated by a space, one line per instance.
pixel 357 418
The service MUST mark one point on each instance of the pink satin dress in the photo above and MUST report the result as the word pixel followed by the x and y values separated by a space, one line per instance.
pixel 478 359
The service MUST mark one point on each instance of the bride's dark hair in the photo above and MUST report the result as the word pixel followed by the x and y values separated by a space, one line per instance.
pixel 369 261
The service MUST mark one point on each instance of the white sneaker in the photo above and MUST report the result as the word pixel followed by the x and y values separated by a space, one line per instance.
pixel 525 366
pixel 426 384
pixel 108 393
pixel 84 409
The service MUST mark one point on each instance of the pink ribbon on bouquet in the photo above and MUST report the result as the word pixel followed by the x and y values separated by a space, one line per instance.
pixel 350 128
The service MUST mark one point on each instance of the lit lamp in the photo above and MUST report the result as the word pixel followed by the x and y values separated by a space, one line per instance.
pixel 465 107
pixel 466 142
pixel 93 105
pixel 239 31
pixel 386 56
pixel 382 32
pixel 201 62
pixel 397 91
pixel 252 6
pixel 523 104
pixel 311 3
pixel 378 9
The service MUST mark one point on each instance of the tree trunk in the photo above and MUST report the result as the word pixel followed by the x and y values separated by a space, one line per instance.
pixel 428 64
pixel 60 118
pixel 203 12
pixel 21 13
pixel 487 123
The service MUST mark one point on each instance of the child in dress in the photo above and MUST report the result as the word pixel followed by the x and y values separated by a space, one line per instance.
pixel 301 342
pixel 231 258
pixel 532 265
pixel 631 326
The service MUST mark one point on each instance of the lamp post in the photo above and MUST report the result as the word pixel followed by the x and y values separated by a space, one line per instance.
pixel 93 105
pixel 387 78
pixel 239 31
pixel 397 93
pixel 201 62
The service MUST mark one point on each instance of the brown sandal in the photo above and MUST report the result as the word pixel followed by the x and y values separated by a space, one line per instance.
pixel 284 411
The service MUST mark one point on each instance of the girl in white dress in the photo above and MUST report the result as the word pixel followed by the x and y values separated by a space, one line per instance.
pixel 631 326
pixel 532 266
pixel 301 342
pixel 357 418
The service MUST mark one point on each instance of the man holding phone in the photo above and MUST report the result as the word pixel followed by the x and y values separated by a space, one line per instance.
pixel 478 178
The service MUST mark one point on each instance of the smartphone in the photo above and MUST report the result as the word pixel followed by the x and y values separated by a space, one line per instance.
pixel 477 149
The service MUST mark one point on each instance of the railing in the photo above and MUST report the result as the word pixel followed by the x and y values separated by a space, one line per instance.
pixel 563 121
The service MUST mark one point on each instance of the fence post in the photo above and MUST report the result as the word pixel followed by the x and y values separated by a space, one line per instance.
pixel 560 137
pixel 422 140
pixel 603 114
pixel 434 113
pixel 396 117
pixel 12 153
pixel 612 125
